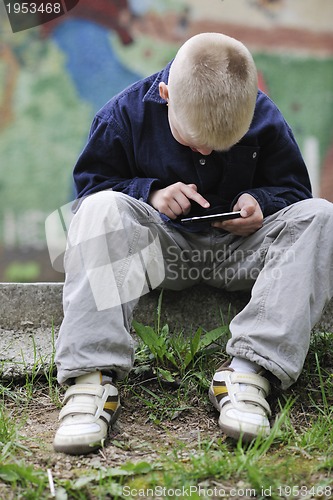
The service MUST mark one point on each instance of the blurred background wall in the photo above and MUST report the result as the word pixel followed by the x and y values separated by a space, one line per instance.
pixel 53 79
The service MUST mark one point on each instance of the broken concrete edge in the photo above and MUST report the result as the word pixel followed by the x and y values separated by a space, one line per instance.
pixel 27 353
pixel 25 306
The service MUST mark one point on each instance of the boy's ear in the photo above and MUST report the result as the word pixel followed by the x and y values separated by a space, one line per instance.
pixel 164 92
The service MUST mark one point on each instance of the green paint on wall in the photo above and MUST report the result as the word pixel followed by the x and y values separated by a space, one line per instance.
pixel 303 89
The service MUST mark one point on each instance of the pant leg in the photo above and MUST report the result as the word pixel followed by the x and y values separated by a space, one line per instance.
pixel 271 330
pixel 294 283
pixel 117 248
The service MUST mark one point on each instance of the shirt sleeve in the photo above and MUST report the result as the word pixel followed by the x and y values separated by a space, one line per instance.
pixel 281 176
pixel 108 162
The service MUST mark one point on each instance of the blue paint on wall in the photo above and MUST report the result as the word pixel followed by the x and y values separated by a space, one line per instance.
pixel 91 61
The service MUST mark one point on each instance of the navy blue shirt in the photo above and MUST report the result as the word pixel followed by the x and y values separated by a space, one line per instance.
pixel 131 149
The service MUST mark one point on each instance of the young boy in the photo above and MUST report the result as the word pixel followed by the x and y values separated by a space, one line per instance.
pixel 196 138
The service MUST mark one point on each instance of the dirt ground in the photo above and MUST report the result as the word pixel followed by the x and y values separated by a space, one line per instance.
pixel 133 438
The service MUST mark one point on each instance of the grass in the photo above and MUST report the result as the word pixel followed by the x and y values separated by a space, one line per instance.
pixel 168 390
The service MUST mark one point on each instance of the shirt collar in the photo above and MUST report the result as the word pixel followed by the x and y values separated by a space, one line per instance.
pixel 153 94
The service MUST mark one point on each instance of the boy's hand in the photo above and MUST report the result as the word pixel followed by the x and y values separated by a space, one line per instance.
pixel 176 199
pixel 251 220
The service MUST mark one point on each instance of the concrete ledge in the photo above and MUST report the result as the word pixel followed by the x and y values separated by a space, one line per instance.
pixel 30 304
pixel 31 314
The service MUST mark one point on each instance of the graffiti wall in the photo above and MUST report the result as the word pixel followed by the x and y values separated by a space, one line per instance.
pixel 55 76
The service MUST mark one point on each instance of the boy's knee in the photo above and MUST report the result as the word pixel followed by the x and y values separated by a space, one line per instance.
pixel 110 204
pixel 99 200
pixel 315 208
pixel 323 209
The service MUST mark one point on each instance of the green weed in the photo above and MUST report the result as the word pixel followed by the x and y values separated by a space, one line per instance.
pixel 11 441
pixel 176 357
pixel 22 477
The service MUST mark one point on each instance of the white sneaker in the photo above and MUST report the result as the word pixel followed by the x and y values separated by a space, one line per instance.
pixel 90 408
pixel 241 400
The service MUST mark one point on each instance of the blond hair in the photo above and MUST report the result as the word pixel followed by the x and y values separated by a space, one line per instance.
pixel 212 90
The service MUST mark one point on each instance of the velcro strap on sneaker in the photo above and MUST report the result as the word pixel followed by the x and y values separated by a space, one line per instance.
pixel 77 408
pixel 255 400
pixel 251 379
pixel 84 389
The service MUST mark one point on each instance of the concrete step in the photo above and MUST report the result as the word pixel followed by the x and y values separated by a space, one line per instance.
pixel 31 313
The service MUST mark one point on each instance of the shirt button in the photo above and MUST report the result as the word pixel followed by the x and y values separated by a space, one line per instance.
pixel 202 161
pixel 254 155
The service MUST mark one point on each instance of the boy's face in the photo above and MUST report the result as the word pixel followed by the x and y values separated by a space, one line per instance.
pixel 177 130
pixel 180 137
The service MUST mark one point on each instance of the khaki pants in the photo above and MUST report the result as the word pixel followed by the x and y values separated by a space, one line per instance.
pixel 119 248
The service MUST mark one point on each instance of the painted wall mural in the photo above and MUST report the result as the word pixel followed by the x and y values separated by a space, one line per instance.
pixel 53 78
